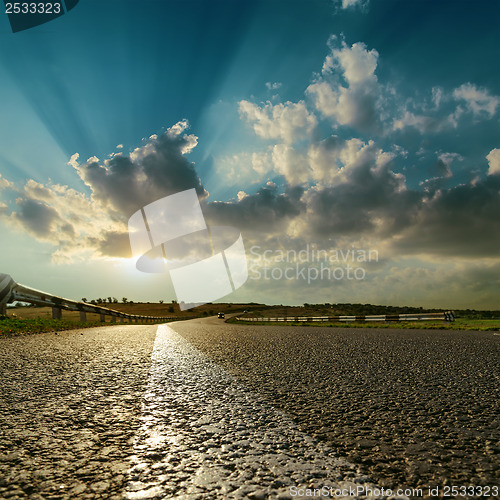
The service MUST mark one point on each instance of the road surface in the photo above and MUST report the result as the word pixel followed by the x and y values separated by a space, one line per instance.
pixel 204 409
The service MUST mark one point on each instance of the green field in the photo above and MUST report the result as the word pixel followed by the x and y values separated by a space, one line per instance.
pixel 458 324
pixel 16 326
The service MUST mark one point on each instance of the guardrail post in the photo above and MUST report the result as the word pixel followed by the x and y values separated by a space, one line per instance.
pixel 102 318
pixel 122 319
pixel 56 313
pixel 6 286
pixel 113 319
pixel 83 316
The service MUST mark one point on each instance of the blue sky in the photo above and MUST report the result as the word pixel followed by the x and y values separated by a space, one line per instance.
pixel 340 124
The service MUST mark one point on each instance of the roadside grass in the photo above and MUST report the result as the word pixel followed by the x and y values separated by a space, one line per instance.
pixel 16 326
pixel 458 324
pixel 27 326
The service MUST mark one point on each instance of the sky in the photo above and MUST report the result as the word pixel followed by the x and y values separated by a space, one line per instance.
pixel 355 144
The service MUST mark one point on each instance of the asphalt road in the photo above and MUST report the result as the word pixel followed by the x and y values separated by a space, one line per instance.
pixel 69 408
pixel 408 408
pixel 412 407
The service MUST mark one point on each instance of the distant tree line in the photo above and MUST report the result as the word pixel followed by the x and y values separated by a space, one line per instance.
pixel 109 300
pixel 114 300
pixel 347 309
pixel 340 309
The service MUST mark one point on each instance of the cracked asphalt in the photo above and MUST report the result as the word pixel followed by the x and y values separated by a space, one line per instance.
pixel 407 408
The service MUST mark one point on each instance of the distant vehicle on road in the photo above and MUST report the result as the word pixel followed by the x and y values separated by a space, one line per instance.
pixel 221 315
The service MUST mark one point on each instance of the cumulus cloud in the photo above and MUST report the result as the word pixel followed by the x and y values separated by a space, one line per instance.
pixel 348 93
pixel 261 162
pixel 427 123
pixel 37 218
pixel 445 161
pixel 334 160
pixel 350 4
pixel 494 162
pixel 442 170
pixel 61 216
pixel 369 201
pixel 357 63
pixel 357 103
pixel 459 221
pixel 4 183
pixel 334 187
pixel 291 164
pixel 273 85
pixel 112 243
pixel 237 169
pixel 350 188
pixel 97 224
pixel 478 101
pixel 126 183
pixel 357 194
pixel 264 212
pixel 445 109
pixel 288 122
pixel 324 159
pixel 367 197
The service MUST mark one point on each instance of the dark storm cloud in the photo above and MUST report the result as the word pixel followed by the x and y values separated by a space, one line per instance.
pixel 369 202
pixel 266 210
pixel 357 196
pixel 39 219
pixel 160 168
pixel 112 244
pixel 367 199
pixel 460 221
pixel 36 217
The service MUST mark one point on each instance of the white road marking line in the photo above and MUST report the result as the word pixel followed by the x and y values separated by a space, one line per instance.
pixel 203 435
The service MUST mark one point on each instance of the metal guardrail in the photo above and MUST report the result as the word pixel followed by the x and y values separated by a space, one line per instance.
pixel 444 316
pixel 10 291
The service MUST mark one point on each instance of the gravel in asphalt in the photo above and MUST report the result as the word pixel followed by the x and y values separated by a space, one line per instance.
pixel 203 435
pixel 69 408
pixel 411 407
pixel 84 414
